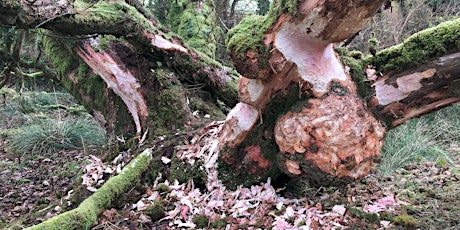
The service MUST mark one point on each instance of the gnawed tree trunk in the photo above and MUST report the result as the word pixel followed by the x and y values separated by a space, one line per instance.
pixel 299 108
pixel 328 128
pixel 419 76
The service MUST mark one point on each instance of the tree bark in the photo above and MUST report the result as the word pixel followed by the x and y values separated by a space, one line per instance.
pixel 418 76
pixel 158 79
pixel 299 110
pixel 328 128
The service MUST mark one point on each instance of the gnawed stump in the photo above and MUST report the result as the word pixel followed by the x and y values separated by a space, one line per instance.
pixel 335 134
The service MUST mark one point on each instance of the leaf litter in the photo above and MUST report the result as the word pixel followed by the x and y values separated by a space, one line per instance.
pixel 372 202
pixel 256 207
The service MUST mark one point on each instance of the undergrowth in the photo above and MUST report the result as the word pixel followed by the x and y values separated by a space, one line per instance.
pixel 434 137
pixel 51 136
pixel 42 122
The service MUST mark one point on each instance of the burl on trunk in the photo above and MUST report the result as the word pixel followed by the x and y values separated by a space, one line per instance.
pixel 332 130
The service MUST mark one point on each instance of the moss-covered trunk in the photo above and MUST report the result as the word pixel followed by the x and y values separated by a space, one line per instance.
pixel 312 113
pixel 419 76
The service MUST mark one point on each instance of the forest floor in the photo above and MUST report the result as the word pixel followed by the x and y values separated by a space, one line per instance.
pixel 422 194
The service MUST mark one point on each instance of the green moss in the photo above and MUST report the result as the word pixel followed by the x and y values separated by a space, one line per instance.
pixel 368 217
pixel 207 108
pixel 358 55
pixel 357 72
pixel 109 14
pixel 387 216
pixel 165 103
pixel 372 46
pixel 156 210
pixel 197 27
pixel 420 48
pixel 161 188
pixel 409 209
pixel 406 195
pixel 183 172
pixel 249 33
pixel 106 39
pixel 201 221
pixel 219 224
pixel 406 221
pixel 60 54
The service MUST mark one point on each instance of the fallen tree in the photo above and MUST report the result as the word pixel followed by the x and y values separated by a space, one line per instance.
pixel 300 107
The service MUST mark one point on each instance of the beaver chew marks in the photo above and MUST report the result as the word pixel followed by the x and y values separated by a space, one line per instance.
pixel 335 134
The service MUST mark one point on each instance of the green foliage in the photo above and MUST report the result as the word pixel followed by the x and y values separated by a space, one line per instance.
pixel 201 221
pixel 9 35
pixel 406 221
pixel 156 211
pixel 422 139
pixel 160 9
pixel 50 136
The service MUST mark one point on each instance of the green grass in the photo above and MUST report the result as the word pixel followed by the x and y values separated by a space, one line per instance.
pixel 50 136
pixel 27 127
pixel 434 137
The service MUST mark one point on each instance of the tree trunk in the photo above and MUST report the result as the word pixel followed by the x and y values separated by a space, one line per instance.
pixel 299 108
pixel 297 93
pixel 419 76
pixel 129 74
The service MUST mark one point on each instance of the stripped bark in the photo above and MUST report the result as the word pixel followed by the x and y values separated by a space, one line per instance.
pixel 419 76
pixel 414 92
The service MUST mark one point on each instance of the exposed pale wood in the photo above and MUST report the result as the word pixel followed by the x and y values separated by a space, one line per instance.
pixel 336 134
pixel 403 95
